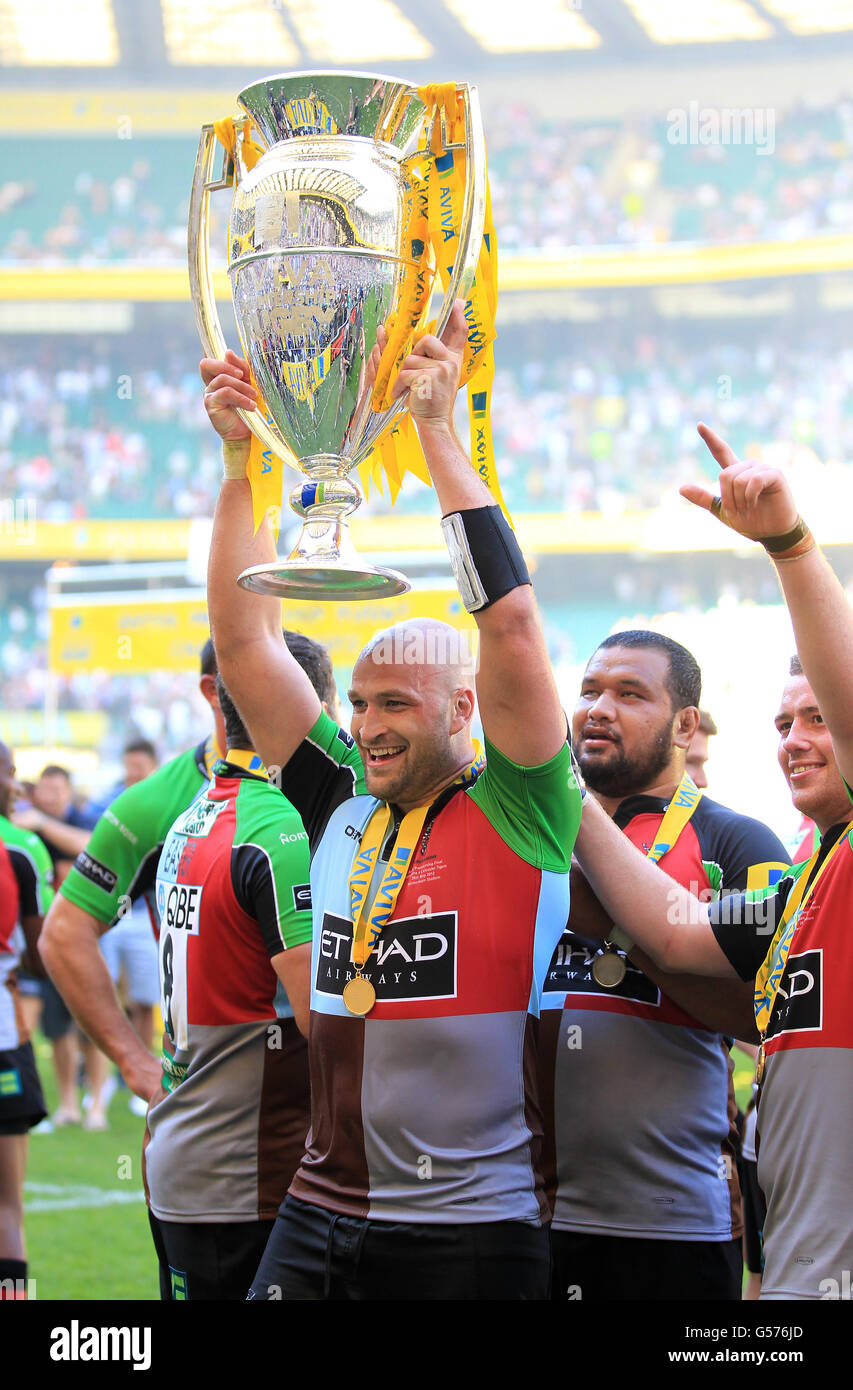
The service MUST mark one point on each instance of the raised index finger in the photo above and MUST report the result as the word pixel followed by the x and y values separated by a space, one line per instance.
pixel 720 450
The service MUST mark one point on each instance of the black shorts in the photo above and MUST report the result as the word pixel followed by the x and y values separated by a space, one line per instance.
pixel 608 1268
pixel 754 1213
pixel 21 1099
pixel 314 1254
pixel 208 1261
pixel 56 1018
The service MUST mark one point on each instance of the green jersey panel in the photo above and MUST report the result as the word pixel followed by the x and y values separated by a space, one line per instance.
pixel 120 860
pixel 32 866
pixel 535 810
pixel 275 880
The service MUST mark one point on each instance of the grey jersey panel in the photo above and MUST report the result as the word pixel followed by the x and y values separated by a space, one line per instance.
pixel 201 1161
pixel 640 1116
pixel 805 1160
pixel 429 1175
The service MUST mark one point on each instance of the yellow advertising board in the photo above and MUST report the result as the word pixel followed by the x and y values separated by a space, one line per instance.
pixel 125 633
pixel 165 630
pixel 345 628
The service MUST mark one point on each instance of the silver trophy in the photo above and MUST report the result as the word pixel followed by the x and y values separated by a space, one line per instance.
pixel 316 260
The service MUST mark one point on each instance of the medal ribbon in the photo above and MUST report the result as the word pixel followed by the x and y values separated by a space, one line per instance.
pixel 769 976
pixel 676 817
pixel 248 760
pixel 212 754
pixel 368 926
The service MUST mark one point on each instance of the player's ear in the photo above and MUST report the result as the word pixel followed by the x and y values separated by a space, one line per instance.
pixel 207 686
pixel 462 709
pixel 686 724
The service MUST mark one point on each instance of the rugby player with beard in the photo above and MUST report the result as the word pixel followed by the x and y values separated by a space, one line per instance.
pixel 640 1137
pixel 794 947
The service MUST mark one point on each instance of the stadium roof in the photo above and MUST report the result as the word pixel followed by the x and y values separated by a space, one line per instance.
pixel 181 41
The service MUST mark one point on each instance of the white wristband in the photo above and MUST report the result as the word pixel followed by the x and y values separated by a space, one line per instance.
pixel 235 457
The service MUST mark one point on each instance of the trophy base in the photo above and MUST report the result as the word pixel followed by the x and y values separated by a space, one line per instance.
pixel 330 583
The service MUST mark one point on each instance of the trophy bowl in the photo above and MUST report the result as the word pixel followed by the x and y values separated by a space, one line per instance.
pixel 317 255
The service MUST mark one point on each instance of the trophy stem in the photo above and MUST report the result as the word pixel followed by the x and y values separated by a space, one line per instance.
pixel 324 563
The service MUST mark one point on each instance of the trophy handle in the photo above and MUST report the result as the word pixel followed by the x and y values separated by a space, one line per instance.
pixel 260 421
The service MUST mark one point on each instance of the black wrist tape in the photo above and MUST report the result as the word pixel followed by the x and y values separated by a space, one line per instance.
pixel 485 556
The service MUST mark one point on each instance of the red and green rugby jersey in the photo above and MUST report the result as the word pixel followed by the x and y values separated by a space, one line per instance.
pixel 427 1110
pixel 32 870
pixel 639 1105
pixel 120 860
pixel 805 1106
pixel 232 893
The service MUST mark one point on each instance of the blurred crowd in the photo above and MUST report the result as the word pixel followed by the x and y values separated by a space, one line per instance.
pixel 561 183
pixel 555 182
pixel 606 422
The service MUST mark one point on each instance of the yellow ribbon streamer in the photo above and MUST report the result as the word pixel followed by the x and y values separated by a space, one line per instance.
pixel 437 200
pixel 226 133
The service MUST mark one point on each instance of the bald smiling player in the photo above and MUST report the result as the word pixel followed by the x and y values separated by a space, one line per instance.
pixel 438 884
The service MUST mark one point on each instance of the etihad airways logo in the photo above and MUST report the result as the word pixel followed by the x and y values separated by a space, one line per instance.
pixel 96 872
pixel 798 1006
pixel 570 972
pixel 415 958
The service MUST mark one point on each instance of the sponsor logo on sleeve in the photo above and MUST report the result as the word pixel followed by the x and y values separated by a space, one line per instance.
pixel 415 958
pixel 302 897
pixel 346 739
pixel 96 872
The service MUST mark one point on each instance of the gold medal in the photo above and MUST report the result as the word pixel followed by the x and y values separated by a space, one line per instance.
pixel 609 969
pixel 359 996
pixel 759 1069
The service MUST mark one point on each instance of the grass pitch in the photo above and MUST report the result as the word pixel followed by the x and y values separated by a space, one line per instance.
pixel 85 1219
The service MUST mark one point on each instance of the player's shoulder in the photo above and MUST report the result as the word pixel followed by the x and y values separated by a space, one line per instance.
pixel 731 834
pixel 166 791
pixel 725 818
pixel 15 838
pixel 264 815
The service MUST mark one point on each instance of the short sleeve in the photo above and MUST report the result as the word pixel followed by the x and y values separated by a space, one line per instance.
pixel 33 869
pixel 325 771
pixel 535 810
pixel 270 868
pixel 121 857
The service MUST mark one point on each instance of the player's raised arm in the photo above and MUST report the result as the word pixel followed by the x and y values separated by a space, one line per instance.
pixel 519 705
pixel 663 919
pixel 272 692
pixel 756 501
